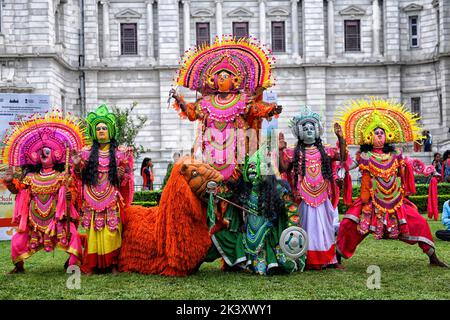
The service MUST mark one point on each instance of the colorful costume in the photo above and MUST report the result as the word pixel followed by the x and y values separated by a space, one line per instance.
pixel 226 74
pixel 104 194
pixel 383 208
pixel 45 218
pixel 271 210
pixel 312 166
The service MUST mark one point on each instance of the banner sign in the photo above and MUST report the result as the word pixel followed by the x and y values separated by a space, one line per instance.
pixel 15 107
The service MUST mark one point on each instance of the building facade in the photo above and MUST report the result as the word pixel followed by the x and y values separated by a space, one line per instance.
pixel 86 52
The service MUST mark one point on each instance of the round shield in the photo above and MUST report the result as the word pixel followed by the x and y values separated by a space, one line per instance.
pixel 294 242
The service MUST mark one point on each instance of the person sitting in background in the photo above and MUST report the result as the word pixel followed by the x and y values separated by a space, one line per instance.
pixel 146 174
pixel 445 234
pixel 175 156
pixel 445 169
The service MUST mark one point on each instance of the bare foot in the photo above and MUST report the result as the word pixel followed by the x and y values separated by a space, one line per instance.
pixel 339 266
pixel 114 270
pixel 17 269
pixel 336 266
pixel 434 261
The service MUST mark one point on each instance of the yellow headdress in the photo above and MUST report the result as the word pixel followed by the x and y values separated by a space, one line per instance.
pixel 360 118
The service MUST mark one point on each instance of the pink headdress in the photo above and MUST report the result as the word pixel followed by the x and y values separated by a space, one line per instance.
pixel 245 58
pixel 25 140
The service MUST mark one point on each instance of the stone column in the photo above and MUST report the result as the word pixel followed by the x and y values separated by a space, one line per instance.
pixel 294 14
pixel 314 31
pixel 106 33
pixel 391 33
pixel 219 19
pixel 331 32
pixel 187 23
pixel 394 82
pixel 262 21
pixel 376 26
pixel 149 4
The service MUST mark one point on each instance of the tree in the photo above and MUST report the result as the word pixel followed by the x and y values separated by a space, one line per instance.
pixel 128 128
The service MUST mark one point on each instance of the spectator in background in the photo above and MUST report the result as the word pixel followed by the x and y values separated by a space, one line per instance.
pixel 175 157
pixel 152 175
pixel 445 234
pixel 146 174
pixel 428 142
pixel 437 162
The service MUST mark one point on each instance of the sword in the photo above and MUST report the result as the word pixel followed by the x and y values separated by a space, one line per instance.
pixel 212 189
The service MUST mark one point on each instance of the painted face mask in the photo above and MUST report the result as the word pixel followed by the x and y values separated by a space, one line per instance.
pixel 102 133
pixel 46 157
pixel 309 133
pixel 379 138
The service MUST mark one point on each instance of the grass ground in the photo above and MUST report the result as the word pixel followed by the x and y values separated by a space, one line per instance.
pixel 405 274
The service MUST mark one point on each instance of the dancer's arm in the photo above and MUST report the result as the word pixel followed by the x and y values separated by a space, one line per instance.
pixel 186 110
pixel 13 185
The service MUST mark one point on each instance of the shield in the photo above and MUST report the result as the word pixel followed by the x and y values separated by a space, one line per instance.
pixel 294 242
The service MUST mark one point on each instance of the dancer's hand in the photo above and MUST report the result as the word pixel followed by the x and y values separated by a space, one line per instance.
pixel 121 172
pixel 278 109
pixel 338 130
pixel 173 94
pixel 76 158
pixel 8 176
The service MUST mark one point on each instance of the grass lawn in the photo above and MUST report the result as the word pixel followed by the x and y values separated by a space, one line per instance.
pixel 405 274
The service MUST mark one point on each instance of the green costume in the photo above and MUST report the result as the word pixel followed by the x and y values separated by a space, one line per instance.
pixel 251 242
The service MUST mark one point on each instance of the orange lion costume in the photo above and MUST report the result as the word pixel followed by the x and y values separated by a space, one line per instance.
pixel 171 239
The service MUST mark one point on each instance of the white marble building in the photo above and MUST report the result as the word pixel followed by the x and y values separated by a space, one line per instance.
pixel 86 52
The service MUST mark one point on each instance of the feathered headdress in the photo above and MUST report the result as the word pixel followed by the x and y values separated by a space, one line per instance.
pixel 360 118
pixel 24 140
pixel 245 59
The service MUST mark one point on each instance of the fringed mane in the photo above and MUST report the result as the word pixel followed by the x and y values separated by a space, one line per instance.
pixel 171 239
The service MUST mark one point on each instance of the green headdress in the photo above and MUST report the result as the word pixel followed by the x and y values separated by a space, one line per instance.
pixel 264 164
pixel 101 115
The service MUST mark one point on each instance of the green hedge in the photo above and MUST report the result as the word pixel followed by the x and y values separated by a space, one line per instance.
pixel 419 179
pixel 421 203
pixel 145 203
pixel 421 189
pixel 147 196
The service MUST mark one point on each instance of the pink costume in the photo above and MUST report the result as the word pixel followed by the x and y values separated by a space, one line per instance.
pixel 318 199
pixel 102 209
pixel 226 113
pixel 45 218
pixel 40 213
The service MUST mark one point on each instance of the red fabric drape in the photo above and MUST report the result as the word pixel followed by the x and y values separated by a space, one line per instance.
pixel 432 209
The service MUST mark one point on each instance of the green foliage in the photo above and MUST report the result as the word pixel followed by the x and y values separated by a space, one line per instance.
pixel 420 179
pixel 147 196
pixel 128 128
